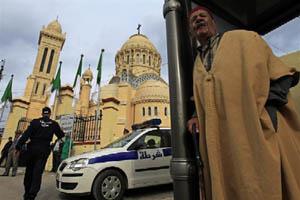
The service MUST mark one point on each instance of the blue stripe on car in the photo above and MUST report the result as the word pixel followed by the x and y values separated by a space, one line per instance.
pixel 131 155
pixel 167 151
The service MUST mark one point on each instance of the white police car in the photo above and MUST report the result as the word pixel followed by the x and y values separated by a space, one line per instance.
pixel 141 158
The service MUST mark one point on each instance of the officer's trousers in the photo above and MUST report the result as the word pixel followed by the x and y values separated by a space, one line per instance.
pixel 35 166
pixel 55 161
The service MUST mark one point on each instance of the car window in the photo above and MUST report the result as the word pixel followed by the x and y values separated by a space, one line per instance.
pixel 124 140
pixel 153 139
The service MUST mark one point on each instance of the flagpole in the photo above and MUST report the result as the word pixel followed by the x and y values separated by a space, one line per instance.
pixel 97 116
pixel 55 105
pixel 56 86
pixel 7 95
pixel 98 100
pixel 2 111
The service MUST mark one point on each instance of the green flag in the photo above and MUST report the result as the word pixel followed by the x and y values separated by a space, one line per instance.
pixel 56 82
pixel 99 68
pixel 8 93
pixel 79 70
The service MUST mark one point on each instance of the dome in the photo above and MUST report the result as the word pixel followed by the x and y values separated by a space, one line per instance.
pixel 114 79
pixel 140 41
pixel 152 90
pixel 55 27
pixel 88 74
pixel 108 91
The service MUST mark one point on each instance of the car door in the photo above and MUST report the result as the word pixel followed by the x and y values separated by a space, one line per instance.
pixel 152 165
pixel 167 155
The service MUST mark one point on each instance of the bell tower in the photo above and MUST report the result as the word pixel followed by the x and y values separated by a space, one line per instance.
pixel 51 41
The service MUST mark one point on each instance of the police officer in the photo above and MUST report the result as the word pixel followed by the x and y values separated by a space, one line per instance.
pixel 40 133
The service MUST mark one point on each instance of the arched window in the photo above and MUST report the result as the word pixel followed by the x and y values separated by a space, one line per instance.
pixel 43 59
pixel 155 111
pixel 137 58
pixel 149 60
pixel 36 88
pixel 144 59
pixel 44 88
pixel 144 112
pixel 127 59
pixel 166 111
pixel 149 111
pixel 50 61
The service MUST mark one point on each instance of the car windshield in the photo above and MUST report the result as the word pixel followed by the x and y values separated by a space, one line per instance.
pixel 124 140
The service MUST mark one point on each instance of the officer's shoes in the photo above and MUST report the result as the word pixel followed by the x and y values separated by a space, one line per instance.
pixel 5 174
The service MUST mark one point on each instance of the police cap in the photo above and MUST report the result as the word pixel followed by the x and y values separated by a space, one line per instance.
pixel 46 110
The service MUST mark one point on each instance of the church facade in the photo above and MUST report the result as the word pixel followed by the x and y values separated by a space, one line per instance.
pixel 135 93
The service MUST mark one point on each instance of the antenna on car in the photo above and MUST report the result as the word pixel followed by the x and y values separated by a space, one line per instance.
pixel 147 124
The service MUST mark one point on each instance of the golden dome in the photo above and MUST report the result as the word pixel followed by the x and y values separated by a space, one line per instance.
pixel 54 26
pixel 152 90
pixel 138 41
pixel 88 73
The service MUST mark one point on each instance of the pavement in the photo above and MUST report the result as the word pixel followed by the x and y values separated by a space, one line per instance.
pixel 11 188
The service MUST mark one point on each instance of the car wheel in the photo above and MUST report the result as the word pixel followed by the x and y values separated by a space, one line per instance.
pixel 109 185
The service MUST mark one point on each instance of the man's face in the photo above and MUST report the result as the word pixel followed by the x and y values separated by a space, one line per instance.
pixel 202 25
pixel 46 115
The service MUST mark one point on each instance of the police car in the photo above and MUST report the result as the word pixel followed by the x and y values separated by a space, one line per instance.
pixel 141 158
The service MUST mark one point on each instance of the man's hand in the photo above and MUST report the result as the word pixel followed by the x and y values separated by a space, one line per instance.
pixel 193 120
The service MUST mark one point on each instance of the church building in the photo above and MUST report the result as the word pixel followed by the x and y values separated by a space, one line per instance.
pixel 135 93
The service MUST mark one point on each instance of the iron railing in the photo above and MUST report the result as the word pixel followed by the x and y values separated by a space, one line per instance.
pixel 84 128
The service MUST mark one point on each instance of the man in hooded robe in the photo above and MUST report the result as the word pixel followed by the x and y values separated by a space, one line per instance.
pixel 249 130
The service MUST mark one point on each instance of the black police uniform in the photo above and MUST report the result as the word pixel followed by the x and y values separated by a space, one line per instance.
pixel 40 133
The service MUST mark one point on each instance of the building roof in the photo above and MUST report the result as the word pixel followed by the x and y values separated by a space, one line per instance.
pixel 54 26
pixel 138 41
pixel 88 73
pixel 152 90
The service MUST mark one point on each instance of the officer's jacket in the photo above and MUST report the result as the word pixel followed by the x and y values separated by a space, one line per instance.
pixel 40 132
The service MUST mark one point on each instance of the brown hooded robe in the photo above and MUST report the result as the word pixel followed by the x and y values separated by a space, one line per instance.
pixel 244 158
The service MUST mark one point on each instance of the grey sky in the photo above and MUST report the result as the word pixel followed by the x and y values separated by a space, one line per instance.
pixel 91 25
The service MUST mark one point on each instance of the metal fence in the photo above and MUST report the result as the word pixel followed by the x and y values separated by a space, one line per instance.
pixel 84 129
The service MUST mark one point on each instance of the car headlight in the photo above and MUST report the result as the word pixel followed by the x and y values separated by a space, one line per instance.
pixel 79 164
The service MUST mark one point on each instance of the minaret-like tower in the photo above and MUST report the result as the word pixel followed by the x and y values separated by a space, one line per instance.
pixel 85 91
pixel 51 41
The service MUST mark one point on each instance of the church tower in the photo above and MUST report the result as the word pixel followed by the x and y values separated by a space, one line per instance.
pixel 51 41
pixel 50 44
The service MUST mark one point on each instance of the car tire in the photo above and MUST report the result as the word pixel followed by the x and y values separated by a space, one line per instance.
pixel 109 185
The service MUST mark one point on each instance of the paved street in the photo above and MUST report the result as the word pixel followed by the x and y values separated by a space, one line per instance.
pixel 11 188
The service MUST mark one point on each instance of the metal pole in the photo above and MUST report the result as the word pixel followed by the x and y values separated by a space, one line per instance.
pixel 71 136
pixel 97 116
pixel 183 169
pixel 2 111
pixel 2 68
pixel 55 105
